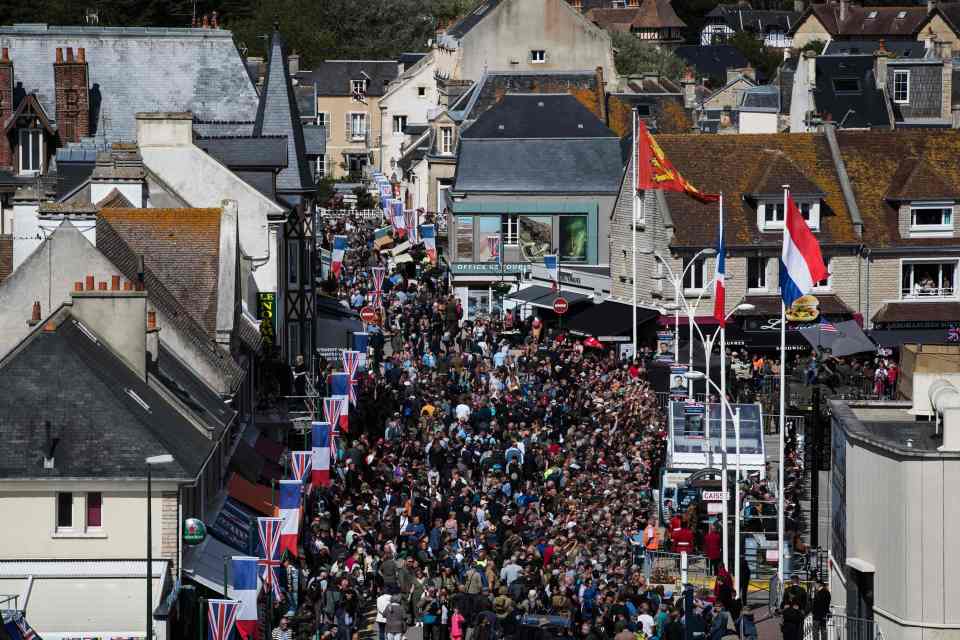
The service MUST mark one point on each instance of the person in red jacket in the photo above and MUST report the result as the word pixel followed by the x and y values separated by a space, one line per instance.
pixel 713 547
pixel 683 539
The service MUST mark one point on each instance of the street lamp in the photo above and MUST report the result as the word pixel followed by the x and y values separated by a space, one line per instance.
pixel 677 281
pixel 151 461
pixel 725 407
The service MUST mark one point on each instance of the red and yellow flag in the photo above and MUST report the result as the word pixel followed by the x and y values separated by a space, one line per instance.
pixel 654 170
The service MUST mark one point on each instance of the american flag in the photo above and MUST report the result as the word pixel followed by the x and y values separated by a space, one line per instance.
pixel 301 463
pixel 827 326
pixel 222 616
pixel 378 274
pixel 270 566
pixel 351 362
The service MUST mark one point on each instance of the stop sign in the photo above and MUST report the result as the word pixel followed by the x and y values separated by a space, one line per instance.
pixel 560 306
pixel 369 315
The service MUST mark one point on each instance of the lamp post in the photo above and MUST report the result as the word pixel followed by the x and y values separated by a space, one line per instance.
pixel 150 462
pixel 725 407
pixel 677 281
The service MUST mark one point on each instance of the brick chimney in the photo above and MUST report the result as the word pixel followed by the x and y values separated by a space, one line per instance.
pixel 72 93
pixel 117 316
pixel 601 95
pixel 6 105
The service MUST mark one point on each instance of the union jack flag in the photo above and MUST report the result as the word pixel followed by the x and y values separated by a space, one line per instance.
pixel 378 275
pixel 351 362
pixel 222 616
pixel 827 326
pixel 410 220
pixel 333 408
pixel 301 463
pixel 270 565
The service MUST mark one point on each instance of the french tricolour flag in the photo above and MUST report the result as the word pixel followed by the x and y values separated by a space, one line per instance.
pixel 336 258
pixel 244 572
pixel 429 235
pixel 290 513
pixel 320 474
pixel 340 388
pixel 719 281
pixel 801 265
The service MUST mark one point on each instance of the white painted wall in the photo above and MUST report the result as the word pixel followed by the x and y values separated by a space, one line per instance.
pixel 403 99
pixel 751 122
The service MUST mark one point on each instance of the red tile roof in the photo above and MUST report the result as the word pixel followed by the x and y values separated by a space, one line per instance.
pixel 651 14
pixel 858 23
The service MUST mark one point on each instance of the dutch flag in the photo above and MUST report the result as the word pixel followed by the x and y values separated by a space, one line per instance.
pixel 801 265
pixel 244 572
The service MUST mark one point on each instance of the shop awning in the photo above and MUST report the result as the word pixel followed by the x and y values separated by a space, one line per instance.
pixel 544 296
pixel 256 496
pixel 918 313
pixel 898 337
pixel 829 304
pixel 608 320
pixel 204 562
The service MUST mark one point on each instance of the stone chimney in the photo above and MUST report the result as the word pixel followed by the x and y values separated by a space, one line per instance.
pixel 6 105
pixel 880 58
pixel 601 95
pixel 165 129
pixel 117 315
pixel 689 84
pixel 810 62
pixel 72 95
pixel 293 62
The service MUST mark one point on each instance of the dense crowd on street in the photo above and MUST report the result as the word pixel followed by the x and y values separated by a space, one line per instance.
pixel 493 469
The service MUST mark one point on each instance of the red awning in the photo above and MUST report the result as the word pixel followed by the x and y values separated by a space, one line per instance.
pixel 256 496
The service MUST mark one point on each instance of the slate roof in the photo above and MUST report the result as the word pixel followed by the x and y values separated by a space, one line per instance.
pixel 247 152
pixel 555 165
pixel 494 85
pixel 851 110
pixel 760 99
pixel 712 61
pixel 278 114
pixel 925 160
pixel 83 390
pixel 750 163
pixel 409 58
pixel 868 21
pixel 6 255
pixel 537 116
pixel 182 247
pixel 742 17
pixel 472 19
pixel 651 14
pixel 899 48
pixel 205 403
pixel 134 69
pixel 653 83
pixel 315 139
pixel 332 77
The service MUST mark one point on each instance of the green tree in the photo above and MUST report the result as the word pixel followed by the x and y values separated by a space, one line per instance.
pixel 764 59
pixel 817 46
pixel 633 56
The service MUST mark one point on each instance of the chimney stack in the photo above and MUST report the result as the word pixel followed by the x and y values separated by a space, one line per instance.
pixel 6 106
pixel 72 95
pixel 601 95
pixel 35 314
pixel 880 57
pixel 117 317
pixel 689 84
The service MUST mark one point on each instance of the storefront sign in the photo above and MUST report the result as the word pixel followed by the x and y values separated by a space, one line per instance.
pixel 561 306
pixel 488 268
pixel 266 304
pixel 716 496
pixel 194 531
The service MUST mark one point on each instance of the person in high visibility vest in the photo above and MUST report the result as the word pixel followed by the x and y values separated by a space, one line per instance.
pixel 651 543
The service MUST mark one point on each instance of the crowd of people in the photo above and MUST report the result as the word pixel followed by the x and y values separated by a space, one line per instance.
pixel 486 475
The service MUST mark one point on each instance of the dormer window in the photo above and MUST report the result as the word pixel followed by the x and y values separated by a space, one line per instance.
pixel 931 218
pixel 771 214
pixel 359 89
pixel 31 151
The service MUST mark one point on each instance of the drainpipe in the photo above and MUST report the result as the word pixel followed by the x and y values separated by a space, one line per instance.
pixel 867 321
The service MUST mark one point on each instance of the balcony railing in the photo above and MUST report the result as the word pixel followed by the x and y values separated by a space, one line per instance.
pixel 920 292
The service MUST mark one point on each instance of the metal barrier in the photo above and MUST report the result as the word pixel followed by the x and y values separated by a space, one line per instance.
pixel 667 568
pixel 771 423
pixel 362 214
pixel 841 627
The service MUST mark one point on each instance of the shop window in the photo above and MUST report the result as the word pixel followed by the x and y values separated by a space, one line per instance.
pixel 488 238
pixel 574 238
pixel 536 236
pixel 464 238
pixel 923 279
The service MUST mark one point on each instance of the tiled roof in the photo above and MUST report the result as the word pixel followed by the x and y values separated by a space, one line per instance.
pixel 6 255
pixel 114 200
pixel 877 161
pixel 777 169
pixel 537 116
pixel 899 48
pixel 242 152
pixel 84 391
pixel 712 61
pixel 653 83
pixel 332 77
pixel 472 19
pixel 138 69
pixel 869 21
pixel 864 108
pixel 913 311
pixel 733 165
pixel 651 14
pixel 742 17
pixel 494 85
pixel 278 114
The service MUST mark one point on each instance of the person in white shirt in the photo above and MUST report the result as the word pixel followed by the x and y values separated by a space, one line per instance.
pixel 383 601
pixel 463 412
pixel 646 620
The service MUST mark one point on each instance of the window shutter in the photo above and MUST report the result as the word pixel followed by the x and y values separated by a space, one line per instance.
pixel 347 128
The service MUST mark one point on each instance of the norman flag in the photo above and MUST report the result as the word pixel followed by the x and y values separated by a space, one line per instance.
pixel 320 474
pixel 336 258
pixel 300 464
pixel 222 618
pixel 655 171
pixel 271 569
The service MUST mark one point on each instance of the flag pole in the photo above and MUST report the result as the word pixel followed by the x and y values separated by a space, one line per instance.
pixel 633 232
pixel 723 402
pixel 736 517
pixel 783 409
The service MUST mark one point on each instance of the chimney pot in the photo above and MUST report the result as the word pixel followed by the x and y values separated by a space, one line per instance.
pixel 90 284
pixel 82 55
pixel 151 319
pixel 35 315
pixel 78 285
pixel 102 286
pixel 69 54
pixel 59 55
pixel 114 283
pixel 6 55
pixel 127 285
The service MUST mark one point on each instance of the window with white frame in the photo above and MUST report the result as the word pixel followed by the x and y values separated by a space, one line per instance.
pixel 421 92
pixel 694 274
pixel 935 217
pixel 922 279
pixel 399 124
pixel 358 126
pixel 31 151
pixel 323 119
pixel 64 511
pixel 321 167
pixel 771 214
pixel 358 88
pixel 446 140
pixel 639 208
pixel 901 86
pixel 509 228
pixel 538 56
pixel 757 273
pixel 824 285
